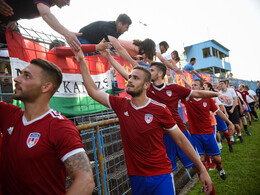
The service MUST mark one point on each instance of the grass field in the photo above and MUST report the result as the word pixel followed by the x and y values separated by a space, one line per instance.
pixel 242 167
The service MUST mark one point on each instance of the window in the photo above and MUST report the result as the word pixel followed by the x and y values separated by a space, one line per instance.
pixel 222 55
pixel 215 52
pixel 206 52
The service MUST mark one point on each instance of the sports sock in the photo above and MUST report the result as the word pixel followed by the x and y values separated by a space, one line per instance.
pixel 239 134
pixel 232 138
pixel 227 136
pixel 213 192
pixel 245 127
pixel 218 165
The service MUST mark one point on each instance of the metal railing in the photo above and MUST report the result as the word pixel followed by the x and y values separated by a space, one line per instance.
pixel 103 144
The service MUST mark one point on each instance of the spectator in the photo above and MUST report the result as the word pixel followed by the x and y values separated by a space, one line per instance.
pixel 40 146
pixel 13 10
pixel 171 59
pixel 145 48
pixel 189 68
pixel 110 31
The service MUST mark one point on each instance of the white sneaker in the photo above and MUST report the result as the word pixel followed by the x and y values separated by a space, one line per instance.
pixel 220 146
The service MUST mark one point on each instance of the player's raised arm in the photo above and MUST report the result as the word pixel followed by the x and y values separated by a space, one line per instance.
pixel 116 65
pixel 90 85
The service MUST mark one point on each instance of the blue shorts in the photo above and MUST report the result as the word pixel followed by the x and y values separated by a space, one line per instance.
pixel 221 125
pixel 206 143
pixel 248 109
pixel 174 150
pixel 154 185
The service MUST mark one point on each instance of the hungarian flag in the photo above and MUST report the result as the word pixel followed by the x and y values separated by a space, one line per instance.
pixel 71 98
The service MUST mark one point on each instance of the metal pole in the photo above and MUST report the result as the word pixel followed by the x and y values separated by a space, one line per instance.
pixel 100 162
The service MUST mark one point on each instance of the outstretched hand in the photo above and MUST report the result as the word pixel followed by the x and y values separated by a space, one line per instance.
pixel 12 25
pixel 5 9
pixel 78 55
pixel 103 45
pixel 73 41
pixel 105 53
pixel 224 98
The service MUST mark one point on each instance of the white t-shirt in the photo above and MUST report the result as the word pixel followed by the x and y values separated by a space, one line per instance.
pixel 231 94
pixel 218 102
pixel 249 99
pixel 157 49
pixel 167 56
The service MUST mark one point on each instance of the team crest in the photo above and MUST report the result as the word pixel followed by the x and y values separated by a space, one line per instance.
pixel 205 104
pixel 33 139
pixel 148 118
pixel 169 93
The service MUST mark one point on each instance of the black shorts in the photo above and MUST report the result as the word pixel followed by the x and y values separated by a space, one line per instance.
pixel 234 117
pixel 252 106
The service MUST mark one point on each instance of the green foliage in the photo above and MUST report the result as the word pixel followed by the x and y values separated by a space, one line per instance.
pixel 242 167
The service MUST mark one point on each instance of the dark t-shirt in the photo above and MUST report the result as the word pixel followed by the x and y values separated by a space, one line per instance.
pixel 96 31
pixel 23 9
pixel 258 93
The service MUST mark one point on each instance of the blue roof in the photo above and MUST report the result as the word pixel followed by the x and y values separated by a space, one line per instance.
pixel 212 40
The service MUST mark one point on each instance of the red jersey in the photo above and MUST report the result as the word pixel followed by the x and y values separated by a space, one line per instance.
pixel 142 135
pixel 198 111
pixel 244 94
pixel 170 94
pixel 33 152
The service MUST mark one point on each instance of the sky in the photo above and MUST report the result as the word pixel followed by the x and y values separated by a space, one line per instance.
pixel 233 23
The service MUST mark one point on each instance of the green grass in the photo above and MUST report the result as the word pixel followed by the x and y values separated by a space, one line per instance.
pixel 242 166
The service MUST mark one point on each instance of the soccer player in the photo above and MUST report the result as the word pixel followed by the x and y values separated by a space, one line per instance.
pixel 251 102
pixel 40 146
pixel 231 108
pixel 221 125
pixel 168 94
pixel 142 121
pixel 241 107
pixel 201 129
pixel 245 93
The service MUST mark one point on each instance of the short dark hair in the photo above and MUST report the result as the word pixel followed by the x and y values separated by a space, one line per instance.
pixel 160 66
pixel 200 81
pixel 56 43
pixel 147 73
pixel 210 86
pixel 192 59
pixel 164 44
pixel 233 86
pixel 223 81
pixel 146 47
pixel 51 72
pixel 125 19
pixel 247 87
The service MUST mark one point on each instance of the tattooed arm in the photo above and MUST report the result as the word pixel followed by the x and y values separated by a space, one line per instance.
pixel 79 169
